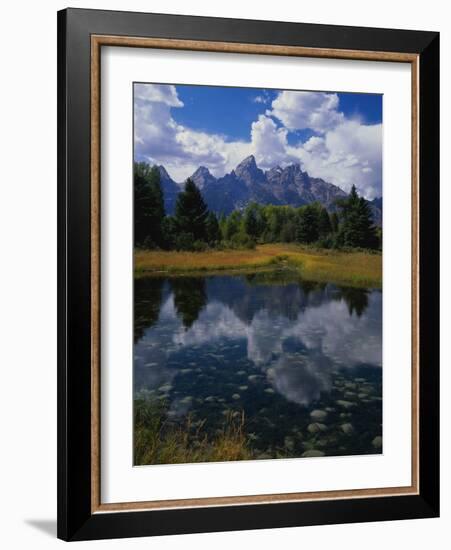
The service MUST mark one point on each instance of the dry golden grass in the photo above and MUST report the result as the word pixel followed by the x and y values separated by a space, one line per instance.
pixel 353 268
pixel 154 445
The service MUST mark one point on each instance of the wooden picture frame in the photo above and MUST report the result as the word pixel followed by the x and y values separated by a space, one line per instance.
pixel 81 35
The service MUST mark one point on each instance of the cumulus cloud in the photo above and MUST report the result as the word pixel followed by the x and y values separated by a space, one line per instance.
pixel 350 154
pixel 315 110
pixel 269 143
pixel 159 93
pixel 159 139
pixel 343 151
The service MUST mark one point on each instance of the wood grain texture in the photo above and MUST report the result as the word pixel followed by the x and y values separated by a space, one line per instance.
pixel 260 49
pixel 97 42
pixel 95 276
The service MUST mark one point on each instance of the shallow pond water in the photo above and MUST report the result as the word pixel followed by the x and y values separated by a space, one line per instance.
pixel 300 362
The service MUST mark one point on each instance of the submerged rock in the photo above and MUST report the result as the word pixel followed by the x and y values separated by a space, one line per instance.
pixel 345 404
pixel 316 427
pixel 347 428
pixel 318 414
pixel 377 442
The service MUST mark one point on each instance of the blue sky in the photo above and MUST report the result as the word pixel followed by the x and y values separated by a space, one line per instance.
pixel 239 109
pixel 333 135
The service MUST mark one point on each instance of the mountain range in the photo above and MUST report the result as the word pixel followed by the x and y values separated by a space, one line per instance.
pixel 248 183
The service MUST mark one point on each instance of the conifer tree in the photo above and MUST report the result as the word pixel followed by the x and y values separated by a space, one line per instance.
pixel 357 229
pixel 191 212
pixel 334 222
pixel 367 231
pixel 212 229
pixel 307 225
pixel 148 204
pixel 251 222
pixel 324 225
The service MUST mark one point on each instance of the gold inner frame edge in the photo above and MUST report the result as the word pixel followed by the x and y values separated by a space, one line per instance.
pixel 97 41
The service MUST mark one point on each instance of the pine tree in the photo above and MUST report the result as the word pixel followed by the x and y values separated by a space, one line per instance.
pixel 324 225
pixel 251 222
pixel 148 204
pixel 357 229
pixel 191 212
pixel 212 229
pixel 307 225
pixel 368 235
pixel 334 222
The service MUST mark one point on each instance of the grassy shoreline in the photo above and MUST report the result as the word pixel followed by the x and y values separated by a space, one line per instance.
pixel 358 268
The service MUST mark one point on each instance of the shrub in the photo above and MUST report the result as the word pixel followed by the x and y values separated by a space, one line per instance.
pixel 149 243
pixel 184 241
pixel 243 240
pixel 328 241
pixel 199 246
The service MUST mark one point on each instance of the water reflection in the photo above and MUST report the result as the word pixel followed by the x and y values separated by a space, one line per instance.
pixel 148 294
pixel 190 297
pixel 257 343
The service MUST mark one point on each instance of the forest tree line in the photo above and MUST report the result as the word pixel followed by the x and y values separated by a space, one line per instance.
pixel 194 227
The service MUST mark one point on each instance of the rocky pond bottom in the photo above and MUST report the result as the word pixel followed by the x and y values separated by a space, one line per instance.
pixel 259 366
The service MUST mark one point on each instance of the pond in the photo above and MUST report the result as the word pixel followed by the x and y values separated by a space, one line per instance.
pixel 298 363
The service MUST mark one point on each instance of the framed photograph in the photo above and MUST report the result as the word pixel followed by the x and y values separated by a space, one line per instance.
pixel 248 274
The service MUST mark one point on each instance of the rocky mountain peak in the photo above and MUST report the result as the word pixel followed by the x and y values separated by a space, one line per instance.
pixel 202 171
pixel 248 183
pixel 274 170
pixel 248 171
pixel 248 162
pixel 163 173
pixel 202 177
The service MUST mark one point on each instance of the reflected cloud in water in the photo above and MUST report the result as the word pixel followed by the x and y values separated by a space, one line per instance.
pixel 295 335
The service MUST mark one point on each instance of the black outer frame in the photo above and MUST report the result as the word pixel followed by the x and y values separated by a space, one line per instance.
pixel 75 520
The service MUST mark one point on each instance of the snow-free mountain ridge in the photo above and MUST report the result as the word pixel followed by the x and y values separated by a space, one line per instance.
pixel 248 183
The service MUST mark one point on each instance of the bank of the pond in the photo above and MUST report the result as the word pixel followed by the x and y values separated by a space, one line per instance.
pixel 358 268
